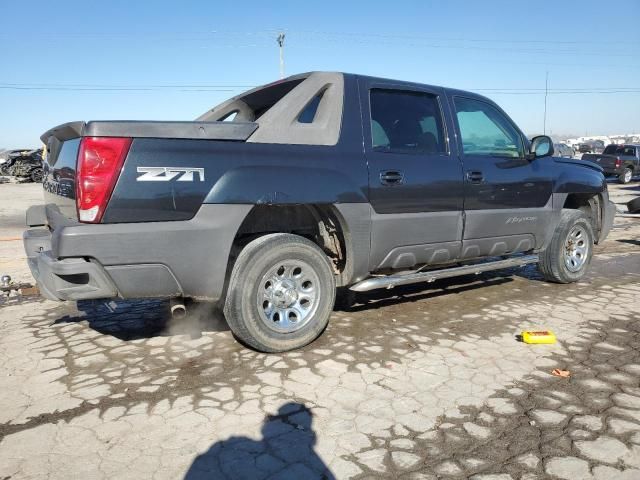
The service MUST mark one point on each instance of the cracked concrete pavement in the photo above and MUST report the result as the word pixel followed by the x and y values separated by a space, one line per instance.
pixel 422 382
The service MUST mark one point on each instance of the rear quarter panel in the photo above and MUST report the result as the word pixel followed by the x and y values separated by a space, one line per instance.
pixel 234 173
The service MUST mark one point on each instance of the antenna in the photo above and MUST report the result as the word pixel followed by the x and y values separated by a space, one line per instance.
pixel 281 45
pixel 546 92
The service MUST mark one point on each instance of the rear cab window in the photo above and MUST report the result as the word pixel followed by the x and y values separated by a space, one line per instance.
pixel 612 150
pixel 303 110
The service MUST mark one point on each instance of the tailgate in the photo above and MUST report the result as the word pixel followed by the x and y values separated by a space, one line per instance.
pixel 63 143
pixel 607 162
pixel 59 181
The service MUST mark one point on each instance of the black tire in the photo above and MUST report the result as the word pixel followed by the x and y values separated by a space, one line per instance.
pixel 552 264
pixel 37 175
pixel 248 320
pixel 625 177
pixel 634 205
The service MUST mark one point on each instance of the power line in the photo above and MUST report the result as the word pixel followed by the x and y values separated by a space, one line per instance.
pixel 267 33
pixel 362 38
pixel 416 41
pixel 235 87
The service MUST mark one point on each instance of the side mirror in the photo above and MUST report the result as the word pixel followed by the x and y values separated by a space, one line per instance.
pixel 541 146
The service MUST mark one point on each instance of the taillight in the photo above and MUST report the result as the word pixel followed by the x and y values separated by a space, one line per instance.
pixel 618 163
pixel 100 160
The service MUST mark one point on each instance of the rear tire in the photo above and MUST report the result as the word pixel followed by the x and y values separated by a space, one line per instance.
pixel 567 257
pixel 626 176
pixel 281 293
pixel 634 205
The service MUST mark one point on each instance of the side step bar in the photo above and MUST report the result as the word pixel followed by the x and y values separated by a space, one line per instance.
pixel 391 281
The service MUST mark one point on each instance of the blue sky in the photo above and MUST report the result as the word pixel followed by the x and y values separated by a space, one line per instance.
pixel 170 60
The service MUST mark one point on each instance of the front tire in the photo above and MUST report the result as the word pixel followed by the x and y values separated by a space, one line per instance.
pixel 281 293
pixel 626 176
pixel 567 257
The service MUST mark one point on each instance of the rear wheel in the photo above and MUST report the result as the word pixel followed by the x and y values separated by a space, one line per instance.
pixel 281 293
pixel 626 176
pixel 566 258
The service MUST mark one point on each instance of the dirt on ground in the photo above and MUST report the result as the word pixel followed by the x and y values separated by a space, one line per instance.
pixel 418 382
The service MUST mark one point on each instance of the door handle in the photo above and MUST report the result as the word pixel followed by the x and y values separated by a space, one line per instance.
pixel 391 177
pixel 475 177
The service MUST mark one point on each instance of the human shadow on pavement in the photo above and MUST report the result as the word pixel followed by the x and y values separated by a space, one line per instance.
pixel 286 451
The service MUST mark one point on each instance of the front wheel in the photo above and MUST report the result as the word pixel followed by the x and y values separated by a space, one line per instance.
pixel 281 293
pixel 625 177
pixel 566 258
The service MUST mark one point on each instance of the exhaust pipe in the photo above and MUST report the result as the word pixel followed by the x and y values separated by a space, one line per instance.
pixel 178 309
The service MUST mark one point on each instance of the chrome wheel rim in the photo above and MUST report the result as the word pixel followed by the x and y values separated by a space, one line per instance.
pixel 627 175
pixel 288 296
pixel 576 249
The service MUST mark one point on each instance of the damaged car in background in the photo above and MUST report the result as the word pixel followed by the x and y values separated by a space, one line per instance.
pixel 26 165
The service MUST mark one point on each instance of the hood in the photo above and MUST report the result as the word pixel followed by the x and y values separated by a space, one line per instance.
pixel 582 163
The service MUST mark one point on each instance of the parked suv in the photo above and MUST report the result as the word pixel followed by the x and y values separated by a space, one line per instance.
pixel 275 198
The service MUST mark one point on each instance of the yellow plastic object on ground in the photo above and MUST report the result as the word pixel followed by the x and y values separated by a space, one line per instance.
pixel 545 336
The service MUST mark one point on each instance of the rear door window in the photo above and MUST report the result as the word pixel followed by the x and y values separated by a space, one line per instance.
pixel 406 122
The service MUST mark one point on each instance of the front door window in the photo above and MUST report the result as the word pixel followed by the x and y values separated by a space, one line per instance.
pixel 486 131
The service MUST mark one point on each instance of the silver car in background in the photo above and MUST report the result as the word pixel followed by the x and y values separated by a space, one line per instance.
pixel 563 150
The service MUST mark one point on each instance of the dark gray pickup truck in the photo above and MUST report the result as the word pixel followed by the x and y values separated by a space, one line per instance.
pixel 275 199
pixel 622 161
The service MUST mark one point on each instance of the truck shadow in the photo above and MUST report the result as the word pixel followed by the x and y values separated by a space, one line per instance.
pixel 418 292
pixel 145 318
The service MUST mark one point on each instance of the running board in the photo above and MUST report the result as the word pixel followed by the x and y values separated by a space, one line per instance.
pixel 391 281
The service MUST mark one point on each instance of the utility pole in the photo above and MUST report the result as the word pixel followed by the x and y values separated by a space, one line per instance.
pixel 546 92
pixel 281 44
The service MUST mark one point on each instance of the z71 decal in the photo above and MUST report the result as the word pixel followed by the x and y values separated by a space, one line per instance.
pixel 166 174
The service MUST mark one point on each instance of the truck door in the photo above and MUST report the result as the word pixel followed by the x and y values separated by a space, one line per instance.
pixel 507 199
pixel 415 180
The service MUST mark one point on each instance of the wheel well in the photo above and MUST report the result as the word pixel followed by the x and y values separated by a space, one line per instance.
pixel 322 224
pixel 590 204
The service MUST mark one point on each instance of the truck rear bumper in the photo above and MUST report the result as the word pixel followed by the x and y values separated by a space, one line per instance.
pixel 611 171
pixel 67 279
pixel 72 261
